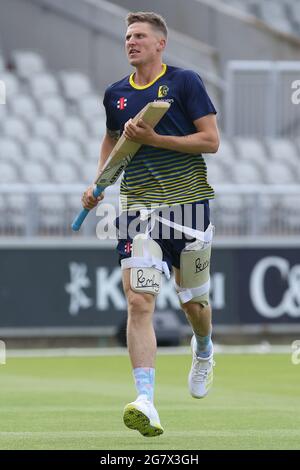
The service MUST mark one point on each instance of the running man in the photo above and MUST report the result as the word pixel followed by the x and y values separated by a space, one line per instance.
pixel 168 170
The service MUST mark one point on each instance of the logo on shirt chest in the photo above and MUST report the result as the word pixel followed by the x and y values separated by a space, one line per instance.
pixel 122 103
pixel 163 91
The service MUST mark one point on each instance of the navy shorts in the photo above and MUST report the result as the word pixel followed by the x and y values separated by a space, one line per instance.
pixel 194 215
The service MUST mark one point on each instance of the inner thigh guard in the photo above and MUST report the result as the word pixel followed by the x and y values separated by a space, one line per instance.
pixel 146 265
pixel 194 273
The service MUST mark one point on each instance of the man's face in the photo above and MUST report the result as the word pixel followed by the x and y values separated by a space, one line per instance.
pixel 143 44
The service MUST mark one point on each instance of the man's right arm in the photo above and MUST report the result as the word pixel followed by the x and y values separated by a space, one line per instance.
pixel 108 143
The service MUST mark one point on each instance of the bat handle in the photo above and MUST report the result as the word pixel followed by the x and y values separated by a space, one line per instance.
pixel 77 222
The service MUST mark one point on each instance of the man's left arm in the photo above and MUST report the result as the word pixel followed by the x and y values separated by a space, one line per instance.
pixel 204 140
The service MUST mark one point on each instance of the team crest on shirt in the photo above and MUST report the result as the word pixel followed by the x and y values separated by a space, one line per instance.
pixel 122 103
pixel 163 91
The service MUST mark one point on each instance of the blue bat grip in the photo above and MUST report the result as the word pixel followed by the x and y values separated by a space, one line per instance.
pixel 84 212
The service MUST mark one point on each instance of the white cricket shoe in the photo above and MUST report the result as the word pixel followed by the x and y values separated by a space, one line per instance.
pixel 142 416
pixel 201 373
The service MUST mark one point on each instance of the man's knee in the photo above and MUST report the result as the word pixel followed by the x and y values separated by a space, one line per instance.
pixel 193 308
pixel 139 304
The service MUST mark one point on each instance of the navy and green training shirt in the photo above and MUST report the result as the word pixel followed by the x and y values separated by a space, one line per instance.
pixel 157 176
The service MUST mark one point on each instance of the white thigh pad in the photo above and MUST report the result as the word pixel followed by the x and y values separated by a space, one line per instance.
pixel 146 265
pixel 194 272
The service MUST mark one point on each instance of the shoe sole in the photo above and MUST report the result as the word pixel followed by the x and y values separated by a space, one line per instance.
pixel 135 419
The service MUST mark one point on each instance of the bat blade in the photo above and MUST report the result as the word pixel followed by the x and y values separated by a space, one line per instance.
pixel 122 154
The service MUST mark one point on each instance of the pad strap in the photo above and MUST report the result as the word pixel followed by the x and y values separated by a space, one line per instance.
pixel 149 262
pixel 186 295
pixel 205 236
pixel 200 236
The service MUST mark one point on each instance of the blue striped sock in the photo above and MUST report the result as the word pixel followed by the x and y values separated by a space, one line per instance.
pixel 204 345
pixel 144 381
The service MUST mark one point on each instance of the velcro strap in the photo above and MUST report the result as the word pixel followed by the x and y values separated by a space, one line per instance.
pixel 149 262
pixel 199 235
pixel 186 295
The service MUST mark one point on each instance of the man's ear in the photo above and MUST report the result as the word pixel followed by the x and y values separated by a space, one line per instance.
pixel 161 45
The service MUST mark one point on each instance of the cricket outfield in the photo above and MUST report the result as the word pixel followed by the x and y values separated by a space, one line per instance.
pixel 77 403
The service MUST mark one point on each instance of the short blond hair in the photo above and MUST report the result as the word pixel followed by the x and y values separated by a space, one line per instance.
pixel 155 20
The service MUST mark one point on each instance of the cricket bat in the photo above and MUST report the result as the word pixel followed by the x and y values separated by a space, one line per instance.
pixel 121 155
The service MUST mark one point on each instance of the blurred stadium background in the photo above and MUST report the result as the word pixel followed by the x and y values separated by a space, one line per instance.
pixel 56 58
pixel 61 289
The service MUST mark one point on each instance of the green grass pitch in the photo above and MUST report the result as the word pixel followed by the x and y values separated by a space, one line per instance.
pixel 77 403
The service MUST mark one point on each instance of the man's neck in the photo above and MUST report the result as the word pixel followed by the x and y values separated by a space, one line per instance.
pixel 147 73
